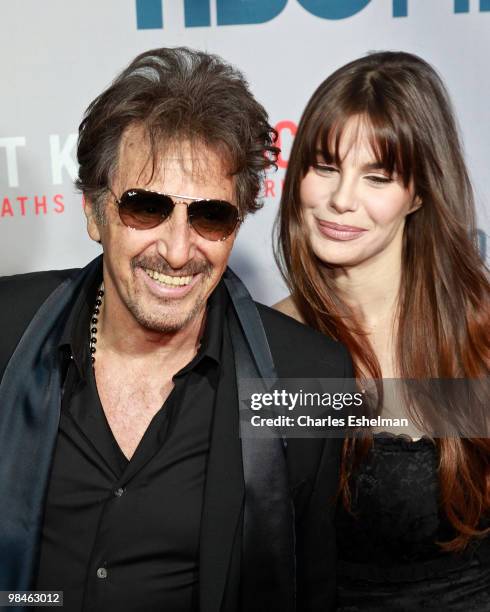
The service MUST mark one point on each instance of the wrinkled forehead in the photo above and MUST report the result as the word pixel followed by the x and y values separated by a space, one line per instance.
pixel 143 158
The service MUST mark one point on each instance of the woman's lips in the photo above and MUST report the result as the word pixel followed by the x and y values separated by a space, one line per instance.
pixel 342 233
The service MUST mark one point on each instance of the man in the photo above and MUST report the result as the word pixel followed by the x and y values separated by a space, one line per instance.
pixel 123 478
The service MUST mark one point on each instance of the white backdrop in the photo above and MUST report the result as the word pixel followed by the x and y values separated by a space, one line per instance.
pixel 57 55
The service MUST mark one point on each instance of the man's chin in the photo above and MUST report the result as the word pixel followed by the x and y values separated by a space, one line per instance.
pixel 168 322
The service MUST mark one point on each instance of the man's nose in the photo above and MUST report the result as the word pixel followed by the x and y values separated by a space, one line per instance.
pixel 176 243
pixel 344 196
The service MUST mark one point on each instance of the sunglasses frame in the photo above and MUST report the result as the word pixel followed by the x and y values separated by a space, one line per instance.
pixel 179 199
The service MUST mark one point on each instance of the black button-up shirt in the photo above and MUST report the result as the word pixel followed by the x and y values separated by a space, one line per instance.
pixel 118 534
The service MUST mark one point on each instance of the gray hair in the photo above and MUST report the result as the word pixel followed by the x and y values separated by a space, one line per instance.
pixel 178 94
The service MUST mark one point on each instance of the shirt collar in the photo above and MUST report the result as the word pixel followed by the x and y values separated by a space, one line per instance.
pixel 211 340
pixel 76 333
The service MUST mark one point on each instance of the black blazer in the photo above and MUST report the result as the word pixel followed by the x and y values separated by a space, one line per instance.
pixel 298 352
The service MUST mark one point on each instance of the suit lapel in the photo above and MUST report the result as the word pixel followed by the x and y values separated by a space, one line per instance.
pixel 247 469
pixel 30 398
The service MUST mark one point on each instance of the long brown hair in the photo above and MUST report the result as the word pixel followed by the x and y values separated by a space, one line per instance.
pixel 443 312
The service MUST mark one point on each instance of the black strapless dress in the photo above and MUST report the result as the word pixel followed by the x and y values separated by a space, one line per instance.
pixel 388 558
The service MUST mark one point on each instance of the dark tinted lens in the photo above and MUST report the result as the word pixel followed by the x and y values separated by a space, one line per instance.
pixel 142 209
pixel 213 219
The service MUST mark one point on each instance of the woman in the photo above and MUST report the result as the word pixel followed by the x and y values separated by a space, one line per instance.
pixel 377 244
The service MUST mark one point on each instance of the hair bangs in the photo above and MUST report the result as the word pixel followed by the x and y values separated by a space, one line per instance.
pixel 390 142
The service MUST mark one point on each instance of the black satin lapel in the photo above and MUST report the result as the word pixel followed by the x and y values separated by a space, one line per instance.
pixel 251 325
pixel 269 572
pixel 224 490
pixel 30 398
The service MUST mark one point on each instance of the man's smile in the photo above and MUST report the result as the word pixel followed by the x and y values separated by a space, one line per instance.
pixel 165 279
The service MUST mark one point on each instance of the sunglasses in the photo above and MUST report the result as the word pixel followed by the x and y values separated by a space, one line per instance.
pixel 142 209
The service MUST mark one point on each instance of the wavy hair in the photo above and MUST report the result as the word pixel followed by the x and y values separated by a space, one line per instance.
pixel 178 94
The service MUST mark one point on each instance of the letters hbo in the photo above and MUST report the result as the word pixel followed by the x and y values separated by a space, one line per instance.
pixel 197 13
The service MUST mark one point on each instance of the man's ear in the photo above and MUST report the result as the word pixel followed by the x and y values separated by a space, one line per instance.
pixel 92 225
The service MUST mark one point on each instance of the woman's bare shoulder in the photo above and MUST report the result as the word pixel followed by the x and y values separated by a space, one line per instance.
pixel 288 307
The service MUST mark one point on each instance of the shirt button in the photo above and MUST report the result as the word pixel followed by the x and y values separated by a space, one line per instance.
pixel 118 492
pixel 102 572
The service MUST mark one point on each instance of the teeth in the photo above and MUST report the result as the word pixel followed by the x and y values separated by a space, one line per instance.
pixel 174 281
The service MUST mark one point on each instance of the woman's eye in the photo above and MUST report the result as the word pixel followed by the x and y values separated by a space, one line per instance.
pixel 322 168
pixel 379 179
